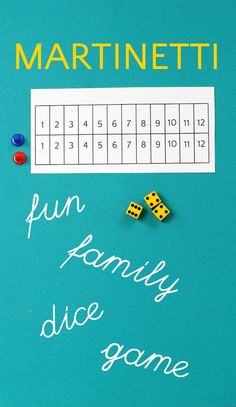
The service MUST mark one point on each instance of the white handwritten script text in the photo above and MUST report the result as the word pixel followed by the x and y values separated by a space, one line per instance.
pixel 91 257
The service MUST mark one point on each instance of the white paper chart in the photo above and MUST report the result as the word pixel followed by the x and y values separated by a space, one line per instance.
pixel 122 130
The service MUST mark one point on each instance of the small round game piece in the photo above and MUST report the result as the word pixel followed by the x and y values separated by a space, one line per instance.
pixel 19 157
pixel 18 139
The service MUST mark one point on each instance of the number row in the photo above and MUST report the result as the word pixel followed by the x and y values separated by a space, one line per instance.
pixel 125 119
pixel 126 149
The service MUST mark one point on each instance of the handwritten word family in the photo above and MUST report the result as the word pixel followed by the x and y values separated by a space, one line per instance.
pixel 97 259
pixel 92 257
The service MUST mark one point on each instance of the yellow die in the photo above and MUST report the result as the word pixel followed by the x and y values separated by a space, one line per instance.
pixel 134 210
pixel 161 211
pixel 152 199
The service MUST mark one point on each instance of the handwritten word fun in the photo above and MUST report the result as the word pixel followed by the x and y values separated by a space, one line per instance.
pixel 80 317
pixel 56 214
pixel 91 257
pixel 132 357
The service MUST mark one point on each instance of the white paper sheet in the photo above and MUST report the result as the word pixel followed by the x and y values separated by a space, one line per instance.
pixel 123 130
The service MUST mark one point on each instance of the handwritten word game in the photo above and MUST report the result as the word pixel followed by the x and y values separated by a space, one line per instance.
pixel 122 130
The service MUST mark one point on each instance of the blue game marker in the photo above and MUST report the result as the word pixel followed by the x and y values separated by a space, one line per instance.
pixel 18 139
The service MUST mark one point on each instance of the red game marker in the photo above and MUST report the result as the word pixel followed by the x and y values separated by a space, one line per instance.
pixel 19 157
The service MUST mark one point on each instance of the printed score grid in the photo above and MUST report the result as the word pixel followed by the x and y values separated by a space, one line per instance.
pixel 122 130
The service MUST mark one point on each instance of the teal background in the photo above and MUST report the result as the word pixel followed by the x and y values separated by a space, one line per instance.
pixel 198 323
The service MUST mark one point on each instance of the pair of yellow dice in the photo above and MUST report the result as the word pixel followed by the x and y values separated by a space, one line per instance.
pixel 154 202
pixel 158 208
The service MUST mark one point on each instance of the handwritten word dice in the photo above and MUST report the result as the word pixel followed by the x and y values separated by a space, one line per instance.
pixel 152 199
pixel 161 211
pixel 134 210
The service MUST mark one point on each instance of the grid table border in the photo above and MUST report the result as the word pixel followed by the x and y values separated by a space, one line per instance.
pixel 121 133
